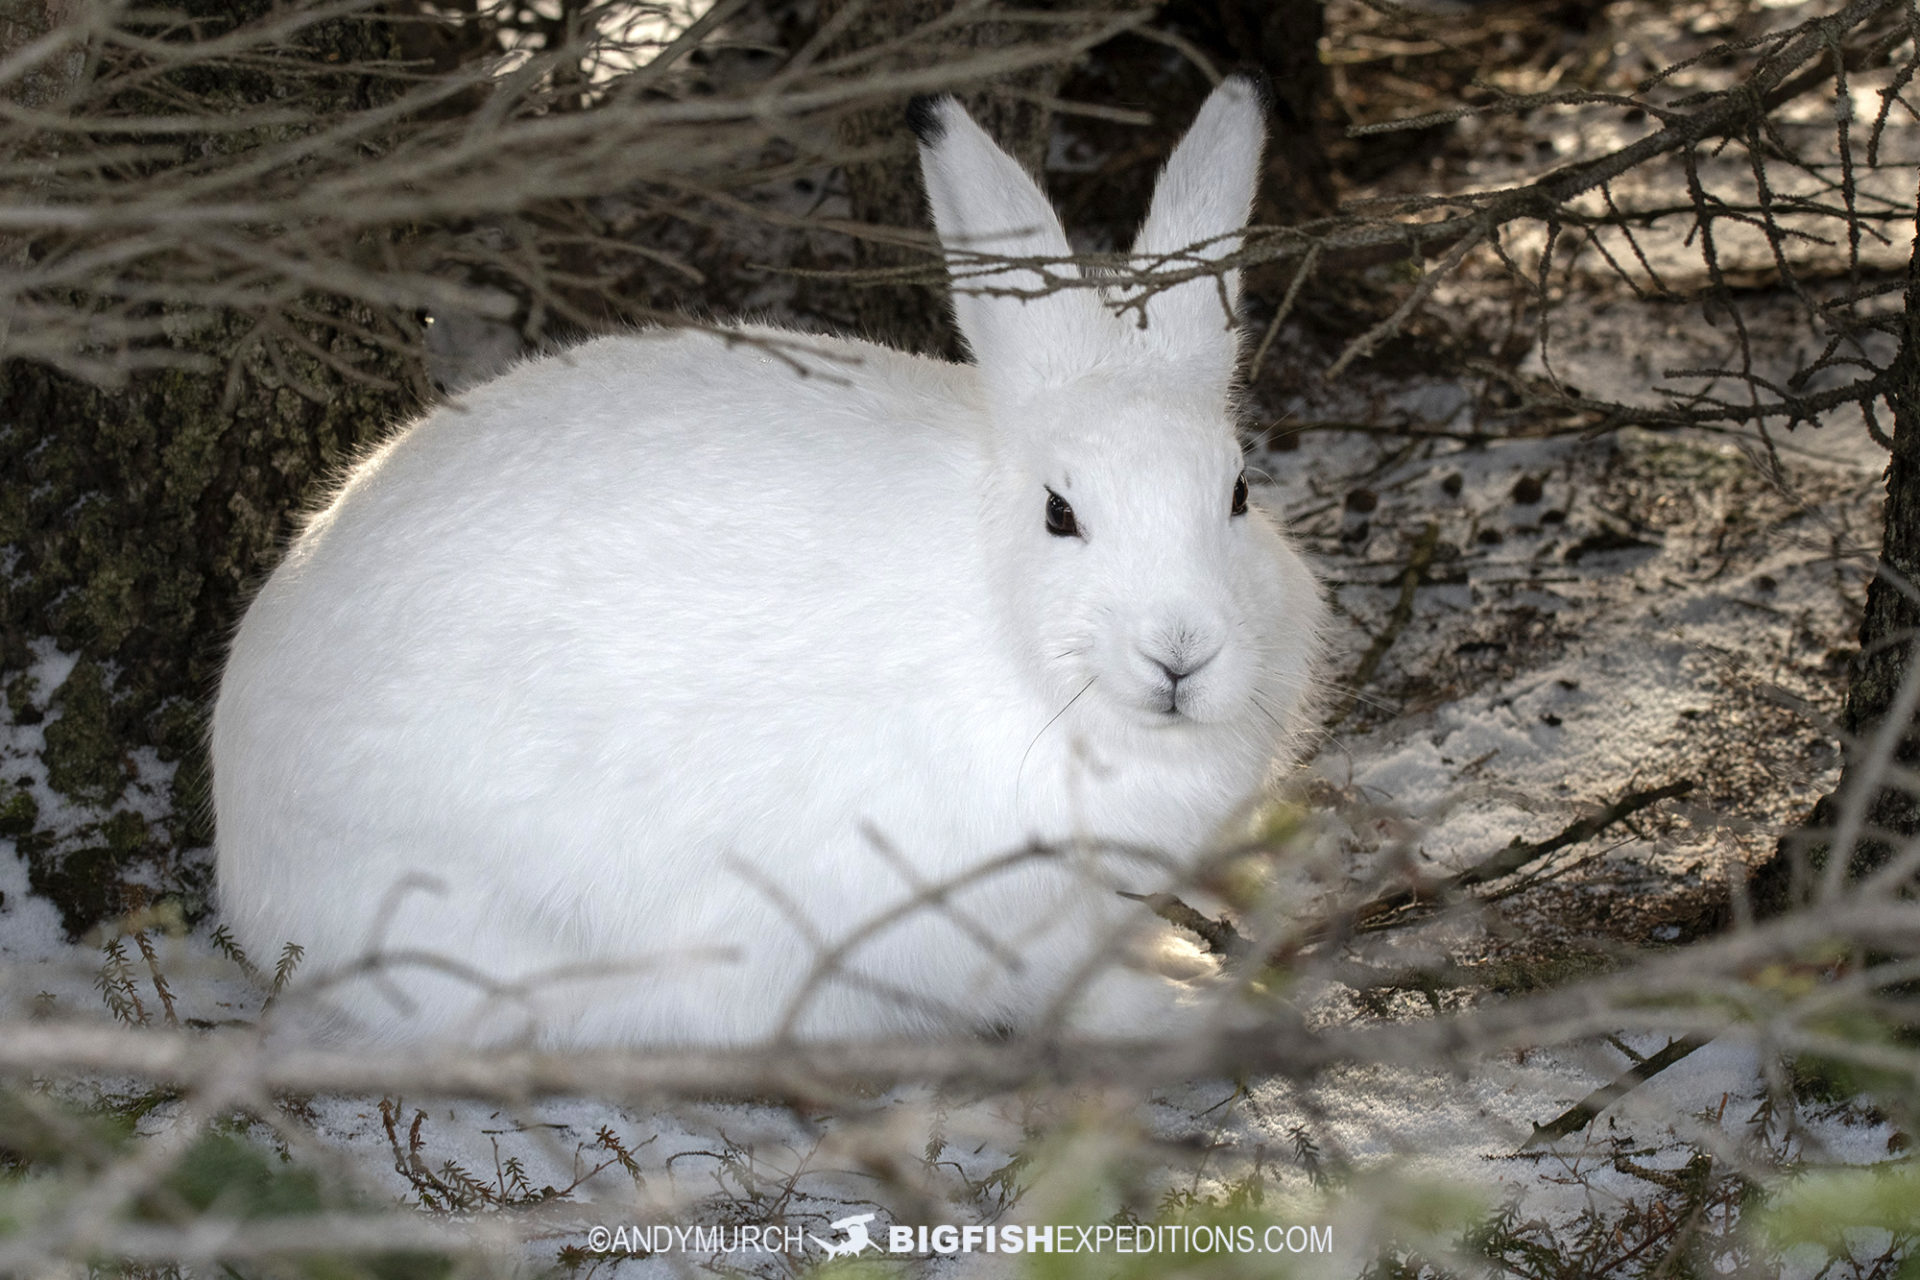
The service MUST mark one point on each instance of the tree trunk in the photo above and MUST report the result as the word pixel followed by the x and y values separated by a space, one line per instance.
pixel 1887 634
pixel 135 518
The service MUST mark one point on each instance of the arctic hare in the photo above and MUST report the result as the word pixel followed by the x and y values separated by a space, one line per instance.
pixel 646 676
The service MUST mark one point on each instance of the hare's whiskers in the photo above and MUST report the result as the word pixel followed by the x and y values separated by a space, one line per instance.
pixel 1022 770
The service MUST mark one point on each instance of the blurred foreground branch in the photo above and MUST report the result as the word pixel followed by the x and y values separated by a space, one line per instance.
pixel 1704 990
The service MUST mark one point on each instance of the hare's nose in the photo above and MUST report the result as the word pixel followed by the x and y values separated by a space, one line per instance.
pixel 1181 665
pixel 1177 666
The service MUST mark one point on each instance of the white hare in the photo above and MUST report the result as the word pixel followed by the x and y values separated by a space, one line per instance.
pixel 657 692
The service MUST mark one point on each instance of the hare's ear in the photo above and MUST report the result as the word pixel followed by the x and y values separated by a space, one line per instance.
pixel 1024 330
pixel 1200 207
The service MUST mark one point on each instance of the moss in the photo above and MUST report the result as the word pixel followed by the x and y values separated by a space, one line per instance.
pixel 179 728
pixel 148 519
pixel 138 520
pixel 20 699
pixel 126 833
pixel 88 883
pixel 135 519
pixel 83 749
pixel 85 885
pixel 18 816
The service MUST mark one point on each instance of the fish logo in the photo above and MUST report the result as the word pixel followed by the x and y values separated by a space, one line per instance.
pixel 857 1238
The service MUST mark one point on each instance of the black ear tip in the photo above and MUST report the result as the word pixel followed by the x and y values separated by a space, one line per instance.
pixel 924 118
pixel 1258 82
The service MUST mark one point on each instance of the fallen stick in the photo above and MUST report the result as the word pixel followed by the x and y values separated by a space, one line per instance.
pixel 1419 561
pixel 1223 939
pixel 1584 1112
pixel 1368 916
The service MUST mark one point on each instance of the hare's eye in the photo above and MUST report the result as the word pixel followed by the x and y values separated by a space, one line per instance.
pixel 1060 521
pixel 1240 495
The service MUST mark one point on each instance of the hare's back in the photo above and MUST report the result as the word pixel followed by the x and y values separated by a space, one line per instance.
pixel 646 533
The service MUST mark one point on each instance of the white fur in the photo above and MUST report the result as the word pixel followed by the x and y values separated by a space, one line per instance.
pixel 658 653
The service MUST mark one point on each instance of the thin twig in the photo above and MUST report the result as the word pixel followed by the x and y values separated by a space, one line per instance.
pixel 1376 912
pixel 1419 561
pixel 1584 1112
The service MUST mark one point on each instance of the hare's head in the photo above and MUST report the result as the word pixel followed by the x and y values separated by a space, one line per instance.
pixel 1140 583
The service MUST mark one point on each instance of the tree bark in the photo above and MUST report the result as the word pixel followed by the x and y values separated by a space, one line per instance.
pixel 1887 633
